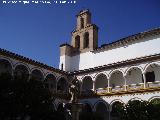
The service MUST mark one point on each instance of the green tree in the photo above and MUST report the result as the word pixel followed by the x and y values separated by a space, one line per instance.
pixel 20 99
pixel 137 110
pixel 154 109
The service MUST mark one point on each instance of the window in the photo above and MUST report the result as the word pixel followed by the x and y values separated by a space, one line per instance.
pixel 86 40
pixel 62 66
pixel 82 22
pixel 77 41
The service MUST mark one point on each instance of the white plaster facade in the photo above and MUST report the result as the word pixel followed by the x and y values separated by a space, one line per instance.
pixel 141 48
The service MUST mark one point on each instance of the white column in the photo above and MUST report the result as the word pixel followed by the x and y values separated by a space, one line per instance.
pixel 108 83
pixel 93 85
pixel 144 78
pixel 125 83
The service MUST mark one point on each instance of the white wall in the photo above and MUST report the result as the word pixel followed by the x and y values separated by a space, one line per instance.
pixel 149 46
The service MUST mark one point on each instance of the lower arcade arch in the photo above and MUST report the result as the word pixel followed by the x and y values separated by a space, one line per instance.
pixel 101 110
pixel 86 112
pixel 116 110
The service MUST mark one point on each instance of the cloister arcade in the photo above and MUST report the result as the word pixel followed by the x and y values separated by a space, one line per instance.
pixel 122 79
pixel 21 70
pixel 114 109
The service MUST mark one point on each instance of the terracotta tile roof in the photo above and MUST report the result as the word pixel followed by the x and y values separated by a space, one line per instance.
pixel 30 61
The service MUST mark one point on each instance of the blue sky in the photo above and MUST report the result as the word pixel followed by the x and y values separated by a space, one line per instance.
pixel 37 30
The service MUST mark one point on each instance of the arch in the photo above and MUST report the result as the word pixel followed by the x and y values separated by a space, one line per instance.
pixel 117 110
pixel 102 110
pixel 152 72
pixel 116 70
pixel 87 83
pixel 77 42
pixel 152 98
pixel 156 63
pixel 21 63
pixel 86 40
pixel 116 78
pixel 6 66
pixel 50 82
pixel 132 67
pixel 134 75
pixel 101 101
pixel 101 81
pixel 114 101
pixel 7 59
pixel 37 74
pixel 86 111
pixel 21 72
pixel 82 22
pixel 87 107
pixel 62 85
pixel 135 99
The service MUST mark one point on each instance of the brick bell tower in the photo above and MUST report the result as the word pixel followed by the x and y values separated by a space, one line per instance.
pixel 84 39
pixel 85 36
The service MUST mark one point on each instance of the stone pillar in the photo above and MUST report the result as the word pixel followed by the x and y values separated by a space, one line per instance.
pixel 109 114
pixel 144 78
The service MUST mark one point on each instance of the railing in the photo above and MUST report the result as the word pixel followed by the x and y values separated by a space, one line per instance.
pixel 136 86
pixel 153 84
pixel 140 87
pixel 128 88
pixel 117 88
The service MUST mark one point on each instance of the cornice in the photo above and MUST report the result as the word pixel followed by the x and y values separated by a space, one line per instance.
pixel 30 61
pixel 128 40
pixel 118 64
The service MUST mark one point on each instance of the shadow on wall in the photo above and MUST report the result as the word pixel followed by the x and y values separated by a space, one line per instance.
pixel 75 63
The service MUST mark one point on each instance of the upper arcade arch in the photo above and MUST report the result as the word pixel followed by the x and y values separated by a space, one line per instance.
pixel 152 72
pixel 37 74
pixel 101 81
pixel 6 66
pixel 50 82
pixel 87 83
pixel 134 75
pixel 116 78
pixel 21 72
pixel 62 85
